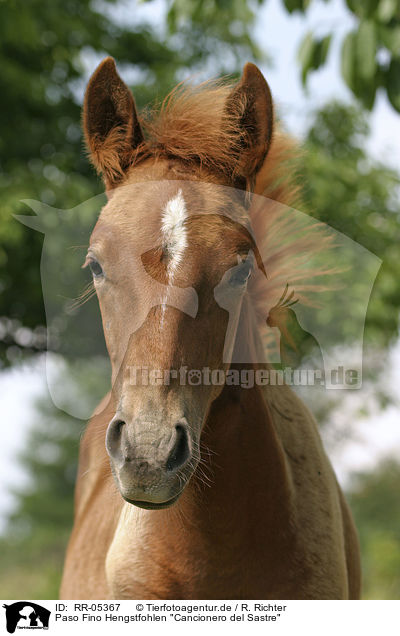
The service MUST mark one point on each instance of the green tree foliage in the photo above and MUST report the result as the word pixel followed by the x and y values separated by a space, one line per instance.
pixel 214 24
pixel 358 196
pixel 34 544
pixel 370 52
pixel 375 501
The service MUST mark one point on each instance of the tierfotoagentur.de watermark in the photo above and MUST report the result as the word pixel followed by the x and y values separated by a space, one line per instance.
pixel 244 378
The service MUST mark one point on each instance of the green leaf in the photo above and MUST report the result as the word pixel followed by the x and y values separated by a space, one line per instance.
pixel 348 60
pixel 323 46
pixel 393 84
pixel 387 10
pixel 359 67
pixel 312 53
pixel 366 91
pixel 295 5
pixel 366 49
pixel 363 8
pixel 305 55
pixel 390 38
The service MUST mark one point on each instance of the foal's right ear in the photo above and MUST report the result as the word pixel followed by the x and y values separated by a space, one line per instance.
pixel 110 123
pixel 250 103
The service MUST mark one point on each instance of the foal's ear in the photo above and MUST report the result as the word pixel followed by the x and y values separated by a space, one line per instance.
pixel 110 123
pixel 250 107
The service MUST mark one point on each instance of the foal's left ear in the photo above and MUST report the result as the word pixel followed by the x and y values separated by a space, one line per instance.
pixel 110 123
pixel 250 104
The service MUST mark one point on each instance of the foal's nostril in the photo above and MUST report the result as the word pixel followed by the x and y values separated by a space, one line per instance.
pixel 180 452
pixel 113 436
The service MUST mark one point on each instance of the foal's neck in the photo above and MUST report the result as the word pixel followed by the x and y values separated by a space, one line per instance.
pixel 246 462
pixel 243 459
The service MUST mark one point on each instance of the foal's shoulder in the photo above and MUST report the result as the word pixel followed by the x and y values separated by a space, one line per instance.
pixel 299 435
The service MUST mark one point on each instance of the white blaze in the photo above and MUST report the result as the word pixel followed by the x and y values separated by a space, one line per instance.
pixel 174 231
pixel 174 237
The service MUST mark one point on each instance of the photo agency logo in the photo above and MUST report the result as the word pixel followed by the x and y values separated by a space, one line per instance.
pixel 289 293
pixel 26 615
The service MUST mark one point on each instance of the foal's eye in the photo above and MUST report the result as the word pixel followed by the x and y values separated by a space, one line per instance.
pixel 241 274
pixel 95 268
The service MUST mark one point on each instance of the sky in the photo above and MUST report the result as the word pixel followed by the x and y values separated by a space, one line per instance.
pixel 279 34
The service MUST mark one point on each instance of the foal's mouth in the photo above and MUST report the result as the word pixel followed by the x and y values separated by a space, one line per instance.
pixel 150 505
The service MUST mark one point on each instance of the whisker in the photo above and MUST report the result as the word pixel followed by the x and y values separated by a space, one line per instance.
pixel 87 293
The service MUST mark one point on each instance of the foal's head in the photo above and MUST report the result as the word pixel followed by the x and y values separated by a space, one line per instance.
pixel 171 255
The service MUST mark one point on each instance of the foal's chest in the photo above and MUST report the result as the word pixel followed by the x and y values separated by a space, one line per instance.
pixel 140 566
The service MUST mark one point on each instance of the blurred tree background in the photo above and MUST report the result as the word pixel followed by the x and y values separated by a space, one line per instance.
pixel 47 49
